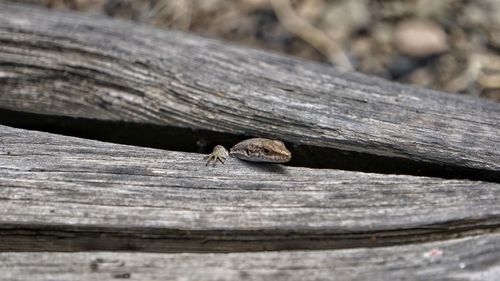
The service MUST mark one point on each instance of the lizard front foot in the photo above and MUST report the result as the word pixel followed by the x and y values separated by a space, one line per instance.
pixel 218 154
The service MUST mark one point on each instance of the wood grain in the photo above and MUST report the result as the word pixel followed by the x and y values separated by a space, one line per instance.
pixel 475 258
pixel 62 193
pixel 64 63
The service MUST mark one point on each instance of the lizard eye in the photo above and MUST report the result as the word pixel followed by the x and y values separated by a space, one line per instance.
pixel 266 150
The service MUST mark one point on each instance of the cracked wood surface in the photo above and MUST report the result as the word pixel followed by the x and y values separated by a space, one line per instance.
pixel 64 63
pixel 473 258
pixel 64 194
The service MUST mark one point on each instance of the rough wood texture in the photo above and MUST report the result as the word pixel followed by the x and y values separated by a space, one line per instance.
pixel 476 258
pixel 62 193
pixel 76 65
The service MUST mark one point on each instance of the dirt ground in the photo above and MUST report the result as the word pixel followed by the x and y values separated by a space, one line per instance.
pixel 451 45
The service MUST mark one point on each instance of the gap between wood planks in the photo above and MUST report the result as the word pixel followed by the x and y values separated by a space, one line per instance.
pixel 201 141
pixel 72 239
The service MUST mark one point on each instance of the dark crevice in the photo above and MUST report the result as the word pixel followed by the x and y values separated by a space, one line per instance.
pixel 202 141
pixel 63 238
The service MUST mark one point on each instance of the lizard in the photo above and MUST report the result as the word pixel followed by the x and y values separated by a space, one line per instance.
pixel 255 150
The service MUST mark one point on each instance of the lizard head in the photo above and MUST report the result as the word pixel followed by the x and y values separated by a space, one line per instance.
pixel 262 150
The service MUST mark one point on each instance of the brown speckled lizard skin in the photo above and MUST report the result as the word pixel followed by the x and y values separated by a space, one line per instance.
pixel 255 150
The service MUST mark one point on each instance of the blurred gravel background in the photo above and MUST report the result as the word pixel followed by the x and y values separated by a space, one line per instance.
pixel 442 44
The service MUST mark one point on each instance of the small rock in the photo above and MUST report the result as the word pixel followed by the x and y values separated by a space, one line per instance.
pixel 420 38
pixel 402 65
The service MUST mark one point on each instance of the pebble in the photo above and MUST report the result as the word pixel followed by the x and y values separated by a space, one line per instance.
pixel 420 38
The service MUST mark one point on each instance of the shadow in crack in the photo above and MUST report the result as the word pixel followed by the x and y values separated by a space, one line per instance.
pixel 203 141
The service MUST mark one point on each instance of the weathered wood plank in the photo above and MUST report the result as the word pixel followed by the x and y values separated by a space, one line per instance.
pixel 69 64
pixel 476 258
pixel 63 193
